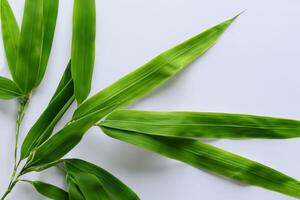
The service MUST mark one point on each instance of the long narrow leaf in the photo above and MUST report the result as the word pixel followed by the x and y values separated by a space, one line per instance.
pixel 49 191
pixel 8 89
pixel 50 11
pixel 202 125
pixel 213 159
pixel 114 188
pixel 42 129
pixel 65 140
pixel 83 46
pixel 10 35
pixel 30 46
pixel 155 73
pixel 74 191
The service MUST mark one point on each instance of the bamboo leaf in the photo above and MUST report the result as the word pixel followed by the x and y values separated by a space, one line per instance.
pixel 83 47
pixel 113 187
pixel 213 159
pixel 65 140
pixel 10 35
pixel 30 46
pixel 49 191
pixel 8 89
pixel 155 73
pixel 50 11
pixel 74 191
pixel 42 129
pixel 202 124
pixel 90 186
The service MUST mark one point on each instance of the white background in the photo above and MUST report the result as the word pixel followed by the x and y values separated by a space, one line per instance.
pixel 254 68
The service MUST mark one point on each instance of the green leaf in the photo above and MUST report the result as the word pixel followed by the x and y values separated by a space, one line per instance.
pixel 42 129
pixel 155 73
pixel 8 89
pixel 10 35
pixel 49 191
pixel 202 125
pixel 65 140
pixel 83 47
pixel 74 191
pixel 30 46
pixel 212 159
pixel 114 188
pixel 90 186
pixel 50 11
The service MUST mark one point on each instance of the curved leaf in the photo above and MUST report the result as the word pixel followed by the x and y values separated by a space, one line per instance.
pixel 8 89
pixel 42 129
pixel 74 191
pixel 83 47
pixel 213 159
pixel 10 35
pixel 202 124
pixel 155 73
pixel 30 46
pixel 114 188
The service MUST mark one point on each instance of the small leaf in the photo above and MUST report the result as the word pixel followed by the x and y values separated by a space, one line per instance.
pixel 114 188
pixel 50 11
pixel 65 140
pixel 213 159
pixel 90 186
pixel 83 47
pixel 153 74
pixel 8 89
pixel 10 35
pixel 49 191
pixel 42 129
pixel 74 191
pixel 202 125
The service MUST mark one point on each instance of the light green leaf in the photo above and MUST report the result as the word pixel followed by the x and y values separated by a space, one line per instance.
pixel 74 191
pixel 8 89
pixel 10 35
pixel 90 186
pixel 65 140
pixel 30 46
pixel 49 191
pixel 42 129
pixel 114 188
pixel 83 47
pixel 50 11
pixel 202 125
pixel 212 159
pixel 155 73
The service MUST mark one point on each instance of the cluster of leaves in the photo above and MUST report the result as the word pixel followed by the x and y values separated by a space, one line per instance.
pixel 171 134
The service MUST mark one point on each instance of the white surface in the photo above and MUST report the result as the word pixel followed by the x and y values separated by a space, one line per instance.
pixel 254 68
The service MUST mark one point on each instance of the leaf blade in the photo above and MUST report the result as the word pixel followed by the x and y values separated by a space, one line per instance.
pixel 148 77
pixel 202 124
pixel 83 47
pixel 213 159
pixel 8 89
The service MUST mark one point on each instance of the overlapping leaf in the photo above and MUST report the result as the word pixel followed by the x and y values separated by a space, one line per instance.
pixel 42 129
pixel 202 125
pixel 74 191
pixel 83 47
pixel 153 74
pixel 213 159
pixel 8 89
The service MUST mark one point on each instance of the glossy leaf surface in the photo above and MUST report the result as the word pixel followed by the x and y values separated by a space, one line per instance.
pixel 202 125
pixel 155 73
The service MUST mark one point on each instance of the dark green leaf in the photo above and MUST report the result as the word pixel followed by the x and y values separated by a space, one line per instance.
pixel 8 89
pixel 153 74
pixel 10 35
pixel 50 191
pixel 202 125
pixel 50 11
pixel 30 46
pixel 114 188
pixel 213 159
pixel 65 140
pixel 42 129
pixel 74 191
pixel 83 47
